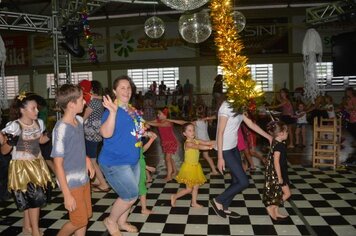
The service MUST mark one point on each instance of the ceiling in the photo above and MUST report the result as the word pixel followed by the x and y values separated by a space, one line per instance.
pixel 132 7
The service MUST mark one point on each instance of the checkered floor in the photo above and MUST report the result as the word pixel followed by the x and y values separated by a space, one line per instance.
pixel 323 203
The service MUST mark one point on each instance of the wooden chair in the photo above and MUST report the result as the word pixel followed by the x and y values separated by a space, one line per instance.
pixel 326 142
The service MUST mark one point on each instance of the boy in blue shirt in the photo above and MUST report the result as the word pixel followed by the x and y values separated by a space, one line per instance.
pixel 70 161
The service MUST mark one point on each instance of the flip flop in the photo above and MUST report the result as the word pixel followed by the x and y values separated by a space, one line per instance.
pixel 100 190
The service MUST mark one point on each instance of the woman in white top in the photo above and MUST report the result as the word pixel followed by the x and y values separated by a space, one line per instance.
pixel 229 156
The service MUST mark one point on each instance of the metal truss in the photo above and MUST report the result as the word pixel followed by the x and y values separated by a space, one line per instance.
pixel 329 12
pixel 73 8
pixel 25 22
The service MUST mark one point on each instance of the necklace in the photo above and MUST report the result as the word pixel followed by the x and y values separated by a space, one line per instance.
pixel 139 127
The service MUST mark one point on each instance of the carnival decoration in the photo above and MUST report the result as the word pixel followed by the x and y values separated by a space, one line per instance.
pixel 239 20
pixel 242 91
pixel 195 28
pixel 88 36
pixel 184 5
pixel 154 27
pixel 312 53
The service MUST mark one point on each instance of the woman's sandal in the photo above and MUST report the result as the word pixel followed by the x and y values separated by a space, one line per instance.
pixel 128 228
pixel 112 227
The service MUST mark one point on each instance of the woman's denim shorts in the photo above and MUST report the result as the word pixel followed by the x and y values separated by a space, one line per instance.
pixel 123 179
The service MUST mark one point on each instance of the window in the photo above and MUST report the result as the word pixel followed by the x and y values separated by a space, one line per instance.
pixel 143 78
pixel 326 80
pixel 261 73
pixel 11 86
pixel 76 78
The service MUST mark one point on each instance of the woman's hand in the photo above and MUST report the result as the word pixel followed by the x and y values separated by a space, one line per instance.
pixel 109 104
pixel 221 165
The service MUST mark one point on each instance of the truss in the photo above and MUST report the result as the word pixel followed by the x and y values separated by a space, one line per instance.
pixel 25 22
pixel 73 8
pixel 329 12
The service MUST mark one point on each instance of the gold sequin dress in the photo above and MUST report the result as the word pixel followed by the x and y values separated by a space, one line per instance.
pixel 190 172
pixel 272 192
pixel 27 164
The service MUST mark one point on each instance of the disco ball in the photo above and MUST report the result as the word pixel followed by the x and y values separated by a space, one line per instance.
pixel 195 28
pixel 154 27
pixel 239 21
pixel 184 5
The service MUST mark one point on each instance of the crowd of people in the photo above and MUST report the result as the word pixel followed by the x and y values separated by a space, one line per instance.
pixel 99 142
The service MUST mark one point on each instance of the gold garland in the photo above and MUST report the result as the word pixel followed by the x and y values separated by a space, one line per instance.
pixel 241 88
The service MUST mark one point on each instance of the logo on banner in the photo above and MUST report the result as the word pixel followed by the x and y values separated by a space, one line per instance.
pixel 125 43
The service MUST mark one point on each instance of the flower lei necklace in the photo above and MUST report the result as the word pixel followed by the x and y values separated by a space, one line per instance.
pixel 139 122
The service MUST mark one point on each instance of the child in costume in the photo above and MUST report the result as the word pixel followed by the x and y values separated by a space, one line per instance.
pixel 168 140
pixel 143 173
pixel 276 188
pixel 29 177
pixel 191 173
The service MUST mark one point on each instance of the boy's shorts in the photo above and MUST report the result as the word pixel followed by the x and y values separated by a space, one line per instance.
pixel 79 217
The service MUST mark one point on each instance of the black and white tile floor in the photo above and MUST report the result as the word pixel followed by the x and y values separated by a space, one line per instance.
pixel 322 203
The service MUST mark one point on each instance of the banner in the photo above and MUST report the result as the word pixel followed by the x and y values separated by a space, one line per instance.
pixel 16 50
pixel 260 36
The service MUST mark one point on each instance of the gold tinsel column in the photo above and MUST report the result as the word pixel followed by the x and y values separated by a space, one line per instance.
pixel 241 88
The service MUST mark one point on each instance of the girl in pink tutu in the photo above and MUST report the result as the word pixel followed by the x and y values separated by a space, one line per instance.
pixel 169 141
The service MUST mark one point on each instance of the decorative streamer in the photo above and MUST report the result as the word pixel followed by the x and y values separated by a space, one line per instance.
pixel 241 88
pixel 88 36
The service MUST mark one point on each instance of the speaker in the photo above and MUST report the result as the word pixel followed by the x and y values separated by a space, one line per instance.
pixel 344 54
pixel 71 40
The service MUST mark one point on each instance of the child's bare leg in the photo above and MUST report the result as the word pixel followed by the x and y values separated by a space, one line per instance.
pixel 150 168
pixel 278 214
pixel 244 162
pixel 148 177
pixel 180 194
pixel 174 168
pixel 195 204
pixel 271 211
pixel 81 231
pixel 34 216
pixel 249 158
pixel 26 227
pixel 210 162
pixel 144 209
pixel 286 192
pixel 69 229
pixel 99 175
pixel 168 160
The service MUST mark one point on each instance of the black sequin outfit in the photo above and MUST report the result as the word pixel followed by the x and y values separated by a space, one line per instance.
pixel 272 192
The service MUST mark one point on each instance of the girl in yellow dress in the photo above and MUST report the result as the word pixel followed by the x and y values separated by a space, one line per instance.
pixel 191 173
